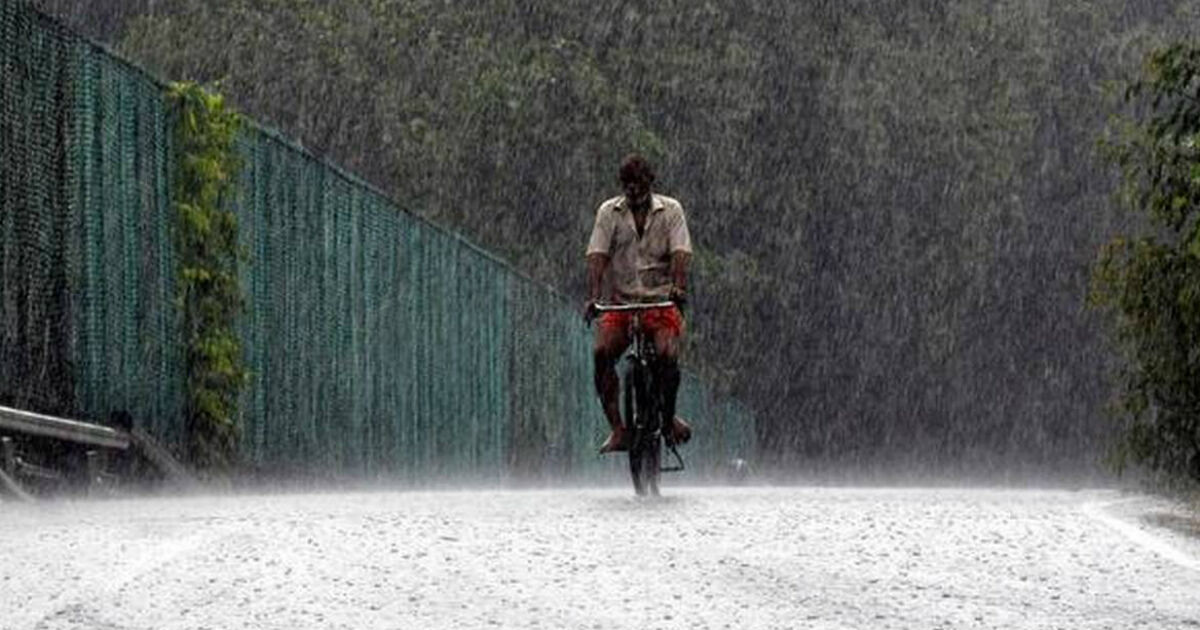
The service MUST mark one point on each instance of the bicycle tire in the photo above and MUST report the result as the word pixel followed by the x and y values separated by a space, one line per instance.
pixel 651 462
pixel 645 445
pixel 630 413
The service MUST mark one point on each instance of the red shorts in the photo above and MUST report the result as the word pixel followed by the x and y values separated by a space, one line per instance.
pixel 667 318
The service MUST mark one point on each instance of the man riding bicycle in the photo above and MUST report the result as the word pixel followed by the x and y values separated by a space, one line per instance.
pixel 640 241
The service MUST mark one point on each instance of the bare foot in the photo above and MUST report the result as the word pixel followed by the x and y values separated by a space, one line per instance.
pixel 615 442
pixel 681 431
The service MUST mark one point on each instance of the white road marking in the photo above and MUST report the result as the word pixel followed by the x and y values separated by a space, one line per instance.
pixel 1139 536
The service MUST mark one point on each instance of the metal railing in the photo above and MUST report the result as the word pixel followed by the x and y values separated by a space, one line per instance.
pixel 60 428
pixel 13 467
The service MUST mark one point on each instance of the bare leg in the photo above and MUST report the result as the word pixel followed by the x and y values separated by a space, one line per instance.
pixel 666 371
pixel 610 345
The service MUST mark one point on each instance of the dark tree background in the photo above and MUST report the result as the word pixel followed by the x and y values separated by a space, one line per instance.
pixel 1148 281
pixel 896 203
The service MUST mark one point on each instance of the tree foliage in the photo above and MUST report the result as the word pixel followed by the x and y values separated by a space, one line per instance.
pixel 1150 282
pixel 894 202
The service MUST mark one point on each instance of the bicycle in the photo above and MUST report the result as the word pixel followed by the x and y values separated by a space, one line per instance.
pixel 643 405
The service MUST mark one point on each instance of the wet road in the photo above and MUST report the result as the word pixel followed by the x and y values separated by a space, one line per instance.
pixel 702 558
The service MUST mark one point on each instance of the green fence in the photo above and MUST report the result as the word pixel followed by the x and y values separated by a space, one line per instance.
pixel 85 253
pixel 378 343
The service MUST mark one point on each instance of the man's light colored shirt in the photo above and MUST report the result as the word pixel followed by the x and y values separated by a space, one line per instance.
pixel 640 268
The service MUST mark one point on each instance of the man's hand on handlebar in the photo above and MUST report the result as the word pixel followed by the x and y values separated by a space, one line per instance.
pixel 590 311
pixel 679 297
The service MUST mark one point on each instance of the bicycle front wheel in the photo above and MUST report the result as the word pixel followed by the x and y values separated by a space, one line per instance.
pixel 645 460
pixel 645 447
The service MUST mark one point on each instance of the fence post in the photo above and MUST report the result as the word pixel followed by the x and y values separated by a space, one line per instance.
pixel 95 468
pixel 8 455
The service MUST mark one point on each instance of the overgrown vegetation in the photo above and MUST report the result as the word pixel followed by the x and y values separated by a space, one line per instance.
pixel 1150 281
pixel 209 293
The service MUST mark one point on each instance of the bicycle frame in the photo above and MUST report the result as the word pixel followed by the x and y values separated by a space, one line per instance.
pixel 641 399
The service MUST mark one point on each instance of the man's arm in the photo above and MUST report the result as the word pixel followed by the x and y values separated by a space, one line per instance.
pixel 597 264
pixel 679 269
pixel 597 259
pixel 681 255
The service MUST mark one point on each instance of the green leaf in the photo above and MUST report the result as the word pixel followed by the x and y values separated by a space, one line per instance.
pixel 209 291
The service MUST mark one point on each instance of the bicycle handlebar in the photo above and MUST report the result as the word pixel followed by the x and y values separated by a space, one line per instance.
pixel 609 308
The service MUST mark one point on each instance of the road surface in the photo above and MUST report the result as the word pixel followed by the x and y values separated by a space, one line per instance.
pixel 701 558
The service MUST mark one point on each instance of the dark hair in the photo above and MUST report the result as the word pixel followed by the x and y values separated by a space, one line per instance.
pixel 635 167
